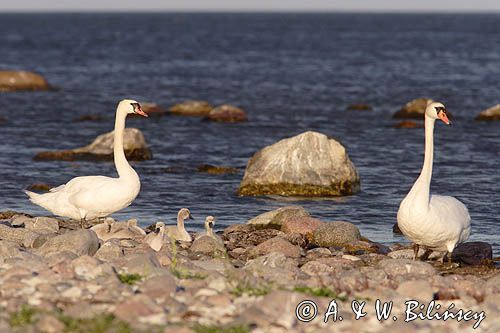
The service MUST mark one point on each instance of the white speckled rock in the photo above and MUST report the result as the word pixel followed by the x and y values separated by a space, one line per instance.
pixel 309 164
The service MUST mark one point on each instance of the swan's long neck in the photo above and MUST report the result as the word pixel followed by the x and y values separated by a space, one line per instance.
pixel 122 166
pixel 180 225
pixel 421 188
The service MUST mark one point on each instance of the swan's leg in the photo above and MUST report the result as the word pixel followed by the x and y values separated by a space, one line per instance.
pixel 415 251
pixel 426 254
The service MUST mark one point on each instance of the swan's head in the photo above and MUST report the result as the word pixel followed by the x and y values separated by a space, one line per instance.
pixel 436 110
pixel 184 214
pixel 209 222
pixel 160 226
pixel 130 106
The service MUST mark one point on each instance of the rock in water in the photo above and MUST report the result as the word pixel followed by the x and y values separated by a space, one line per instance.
pixel 413 109
pixel 191 108
pixel 101 149
pixel 80 242
pixel 309 164
pixel 492 113
pixel 227 113
pixel 473 253
pixel 22 81
pixel 335 234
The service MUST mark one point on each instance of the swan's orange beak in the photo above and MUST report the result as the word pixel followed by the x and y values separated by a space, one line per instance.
pixel 138 110
pixel 442 115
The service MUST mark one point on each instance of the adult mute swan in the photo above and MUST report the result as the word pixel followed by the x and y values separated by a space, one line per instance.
pixel 434 222
pixel 90 197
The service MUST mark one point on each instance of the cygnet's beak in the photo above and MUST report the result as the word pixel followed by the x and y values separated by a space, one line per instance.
pixel 442 115
pixel 190 217
pixel 211 224
pixel 138 110
pixel 157 230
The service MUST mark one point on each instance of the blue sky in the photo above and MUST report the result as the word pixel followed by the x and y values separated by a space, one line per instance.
pixel 252 5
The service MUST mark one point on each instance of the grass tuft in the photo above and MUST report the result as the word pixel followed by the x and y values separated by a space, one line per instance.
pixel 321 292
pixel 129 278
pixel 223 329
pixel 22 317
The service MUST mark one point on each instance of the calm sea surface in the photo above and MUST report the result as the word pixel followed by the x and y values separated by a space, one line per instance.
pixel 291 73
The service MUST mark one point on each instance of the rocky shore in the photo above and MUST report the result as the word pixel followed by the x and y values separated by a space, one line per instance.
pixel 55 277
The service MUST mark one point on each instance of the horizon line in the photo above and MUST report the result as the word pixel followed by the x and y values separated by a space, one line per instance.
pixel 242 11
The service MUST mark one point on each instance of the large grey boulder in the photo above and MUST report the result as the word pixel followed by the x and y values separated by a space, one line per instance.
pixel 80 242
pixel 309 164
pixel 22 81
pixel 337 233
pixel 101 149
pixel 492 113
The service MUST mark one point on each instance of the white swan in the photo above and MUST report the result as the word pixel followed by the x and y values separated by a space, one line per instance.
pixel 434 222
pixel 90 197
pixel 178 232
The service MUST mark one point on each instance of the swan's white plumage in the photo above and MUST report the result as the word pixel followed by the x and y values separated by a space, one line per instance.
pixel 91 197
pixel 434 221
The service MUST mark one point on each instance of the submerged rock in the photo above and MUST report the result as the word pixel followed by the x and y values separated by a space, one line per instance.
pixel 227 113
pixel 275 218
pixel 191 108
pixel 336 234
pixel 359 107
pixel 90 117
pixel 39 187
pixel 101 149
pixel 309 164
pixel 216 170
pixel 22 81
pixel 473 253
pixel 409 124
pixel 413 109
pixel 492 113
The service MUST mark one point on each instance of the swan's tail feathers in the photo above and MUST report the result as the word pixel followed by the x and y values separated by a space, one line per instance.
pixel 33 196
pixel 42 200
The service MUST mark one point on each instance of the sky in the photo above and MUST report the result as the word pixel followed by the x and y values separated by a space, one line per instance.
pixel 253 5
